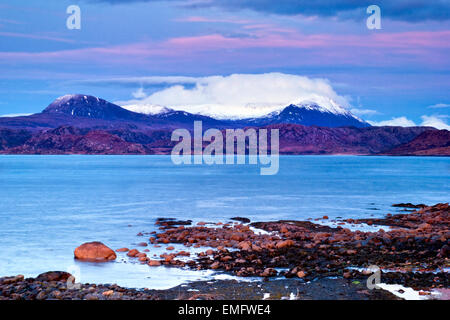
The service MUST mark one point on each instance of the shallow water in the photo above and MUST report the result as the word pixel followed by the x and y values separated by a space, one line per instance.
pixel 51 204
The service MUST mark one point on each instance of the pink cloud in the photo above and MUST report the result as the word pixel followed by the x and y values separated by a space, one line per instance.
pixel 426 47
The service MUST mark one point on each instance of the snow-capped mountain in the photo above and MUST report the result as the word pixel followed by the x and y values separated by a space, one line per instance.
pixel 88 111
pixel 327 113
pixel 78 105
pixel 311 114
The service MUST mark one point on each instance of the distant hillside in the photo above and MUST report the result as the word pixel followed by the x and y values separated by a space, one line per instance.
pixel 431 142
pixel 294 139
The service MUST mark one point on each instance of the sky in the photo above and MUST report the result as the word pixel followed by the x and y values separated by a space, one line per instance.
pixel 231 58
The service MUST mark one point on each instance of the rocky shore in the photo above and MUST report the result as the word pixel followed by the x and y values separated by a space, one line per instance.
pixel 415 250
pixel 412 251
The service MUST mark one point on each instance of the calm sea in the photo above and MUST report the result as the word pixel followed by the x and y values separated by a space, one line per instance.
pixel 51 204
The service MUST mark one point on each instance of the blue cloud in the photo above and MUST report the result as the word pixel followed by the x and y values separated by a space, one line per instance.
pixel 404 10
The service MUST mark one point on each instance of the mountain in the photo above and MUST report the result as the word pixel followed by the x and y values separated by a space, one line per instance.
pixel 84 111
pixel 84 106
pixel 70 140
pixel 294 139
pixel 86 124
pixel 298 139
pixel 430 142
pixel 310 114
pixel 13 138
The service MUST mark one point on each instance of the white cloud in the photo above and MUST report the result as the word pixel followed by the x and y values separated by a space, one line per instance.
pixel 236 95
pixel 10 115
pixel 395 122
pixel 434 121
pixel 139 93
pixel 439 105
pixel 364 112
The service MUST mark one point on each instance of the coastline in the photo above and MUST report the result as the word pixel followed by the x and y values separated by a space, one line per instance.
pixel 307 258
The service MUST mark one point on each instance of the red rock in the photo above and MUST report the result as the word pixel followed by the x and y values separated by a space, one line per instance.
pixel 325 217
pixel 53 276
pixel 170 248
pixel 94 251
pixel 285 243
pixel 133 253
pixel 245 245
pixel 301 274
pixel 142 244
pixel 122 250
pixel 268 272
pixel 108 293
pixel 10 280
pixel 154 263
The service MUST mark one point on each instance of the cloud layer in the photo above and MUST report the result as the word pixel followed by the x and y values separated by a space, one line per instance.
pixel 236 95
pixel 404 10
pixel 435 121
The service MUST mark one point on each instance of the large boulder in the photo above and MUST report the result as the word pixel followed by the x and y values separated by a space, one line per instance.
pixel 53 276
pixel 94 251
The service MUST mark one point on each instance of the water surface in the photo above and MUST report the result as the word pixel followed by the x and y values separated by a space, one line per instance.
pixel 51 204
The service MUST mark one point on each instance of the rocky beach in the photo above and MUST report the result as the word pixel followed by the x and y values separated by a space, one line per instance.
pixel 314 259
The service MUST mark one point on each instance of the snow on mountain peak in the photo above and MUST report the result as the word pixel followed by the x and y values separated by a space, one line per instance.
pixel 147 109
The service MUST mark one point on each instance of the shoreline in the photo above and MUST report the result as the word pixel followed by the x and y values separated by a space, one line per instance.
pixel 280 154
pixel 318 260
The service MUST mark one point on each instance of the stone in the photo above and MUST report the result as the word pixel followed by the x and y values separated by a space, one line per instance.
pixel 41 296
pixel 132 253
pixel 269 272
pixel 347 275
pixel 108 293
pixel 10 280
pixel 94 251
pixel 54 276
pixel 90 296
pixel 285 243
pixel 154 263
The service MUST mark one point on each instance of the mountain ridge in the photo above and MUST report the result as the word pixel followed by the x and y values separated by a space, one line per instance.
pixel 89 111
pixel 84 124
